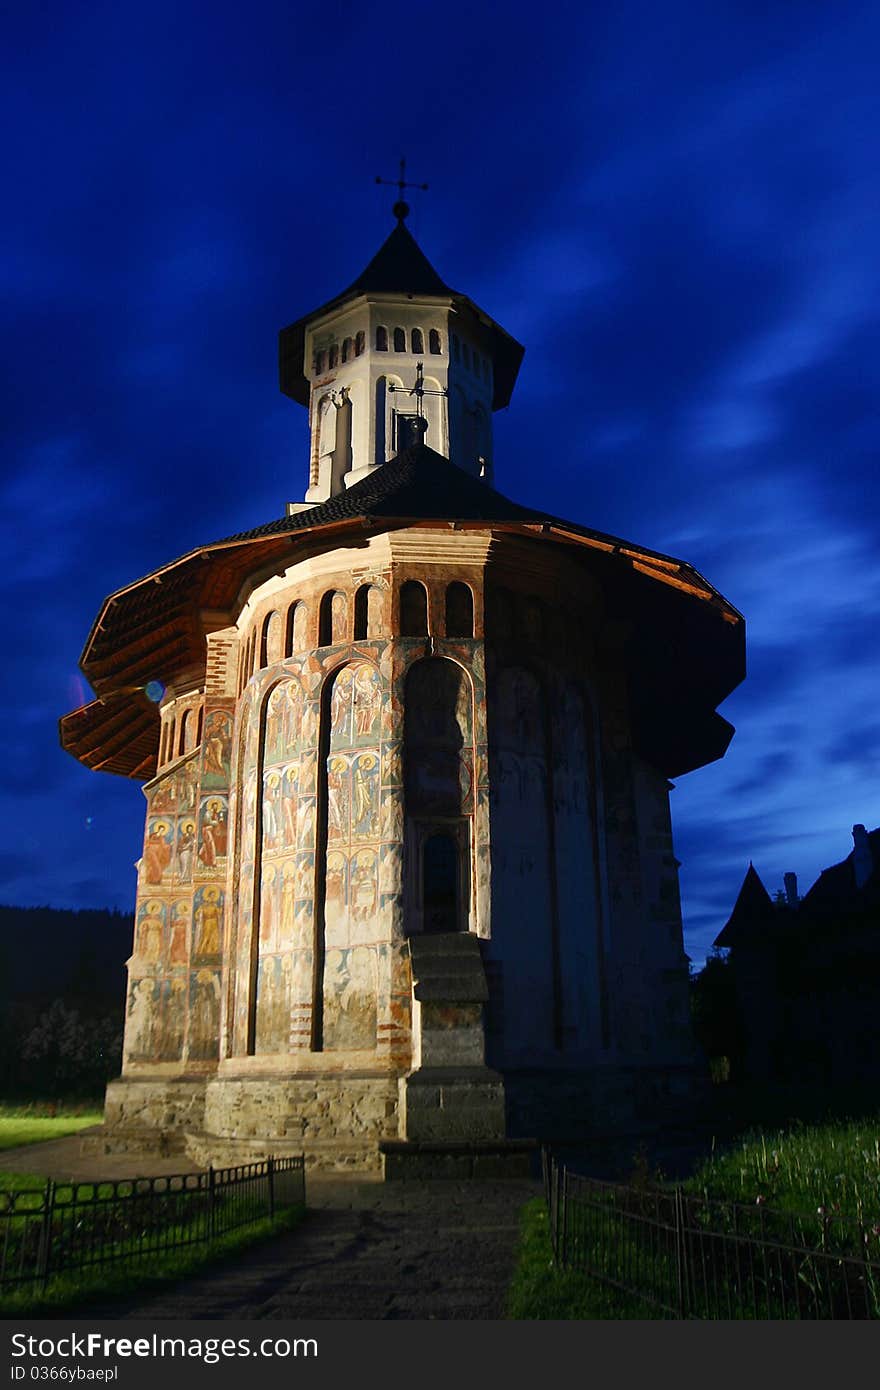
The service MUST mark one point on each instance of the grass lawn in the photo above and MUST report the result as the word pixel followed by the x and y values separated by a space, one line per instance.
pixel 117 1282
pixel 831 1168
pixel 539 1290
pixel 32 1124
pixel 819 1172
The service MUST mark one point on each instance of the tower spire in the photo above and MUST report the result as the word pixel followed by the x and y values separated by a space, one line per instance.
pixel 401 208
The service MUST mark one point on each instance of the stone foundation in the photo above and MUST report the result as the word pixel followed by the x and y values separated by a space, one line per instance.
pixel 336 1121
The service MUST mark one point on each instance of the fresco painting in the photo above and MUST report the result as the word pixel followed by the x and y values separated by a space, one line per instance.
pixel 185 852
pixel 350 998
pixel 213 831
pixel 141 1017
pixel 151 931
pixel 273 1004
pixel 351 901
pixel 168 1039
pixel 207 921
pixel 181 911
pixel 156 862
pixel 216 749
pixel 204 1015
pixel 281 874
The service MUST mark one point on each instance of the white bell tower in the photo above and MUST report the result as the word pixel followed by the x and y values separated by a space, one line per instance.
pixel 398 359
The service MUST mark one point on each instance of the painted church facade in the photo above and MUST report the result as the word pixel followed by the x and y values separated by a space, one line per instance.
pixel 408 875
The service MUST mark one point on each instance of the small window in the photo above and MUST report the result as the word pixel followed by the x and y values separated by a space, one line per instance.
pixel 347 349
pixel 320 362
pixel 399 340
pixel 289 648
pixel 455 347
pixel 434 341
pixel 163 745
pixel 360 343
pixel 325 621
pixel 381 339
pixel 199 727
pixel 413 609
pixel 360 612
pixel 184 728
pixel 417 341
pixel 334 356
pixel 459 611
pixel 331 627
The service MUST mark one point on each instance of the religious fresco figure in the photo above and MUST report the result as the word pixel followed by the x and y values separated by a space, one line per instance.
pixel 208 921
pixel 214 832
pixel 180 914
pixel 186 843
pixel 289 804
pixel 216 743
pixel 270 818
pixel 337 798
pixel 365 787
pixel 151 931
pixel 367 698
pixel 157 851
pixel 288 900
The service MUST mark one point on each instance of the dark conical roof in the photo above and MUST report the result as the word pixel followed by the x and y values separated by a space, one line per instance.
pixel 752 912
pixel 399 267
pixel 399 264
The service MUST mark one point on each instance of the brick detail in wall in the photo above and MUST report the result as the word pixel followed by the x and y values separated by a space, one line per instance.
pixel 222 665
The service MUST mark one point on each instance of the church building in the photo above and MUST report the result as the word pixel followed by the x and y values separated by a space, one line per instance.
pixel 407 881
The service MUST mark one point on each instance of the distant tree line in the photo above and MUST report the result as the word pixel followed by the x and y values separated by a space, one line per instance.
pixel 62 996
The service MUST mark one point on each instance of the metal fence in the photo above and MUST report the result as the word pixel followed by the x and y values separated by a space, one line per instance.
pixel 689 1256
pixel 79 1227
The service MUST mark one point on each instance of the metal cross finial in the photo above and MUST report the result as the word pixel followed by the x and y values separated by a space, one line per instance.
pixel 419 390
pixel 401 209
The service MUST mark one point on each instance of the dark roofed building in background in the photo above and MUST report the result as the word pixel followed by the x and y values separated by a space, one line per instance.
pixel 806 972
pixel 407 876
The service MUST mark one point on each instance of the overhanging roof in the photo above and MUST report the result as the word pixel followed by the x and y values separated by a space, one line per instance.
pixel 153 628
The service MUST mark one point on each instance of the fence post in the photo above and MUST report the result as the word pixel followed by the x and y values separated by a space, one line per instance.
pixel 564 1237
pixel 44 1256
pixel 270 1170
pixel 681 1272
pixel 212 1203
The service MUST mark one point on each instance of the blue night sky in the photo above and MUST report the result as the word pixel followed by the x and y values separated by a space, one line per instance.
pixel 675 208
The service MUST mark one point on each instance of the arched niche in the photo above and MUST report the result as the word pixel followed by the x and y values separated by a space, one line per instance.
pixel 438 791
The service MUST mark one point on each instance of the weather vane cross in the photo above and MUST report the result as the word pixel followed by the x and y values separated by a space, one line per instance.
pixel 401 208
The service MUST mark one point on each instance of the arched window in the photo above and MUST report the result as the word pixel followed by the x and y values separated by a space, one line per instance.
pixel 459 610
pixel 360 343
pixel 270 640
pixel 367 612
pixel 413 609
pixel 320 362
pixel 347 349
pixel 171 737
pixel 399 340
pixel 434 341
pixel 417 341
pixel 199 726
pixel 360 612
pixel 331 629
pixel 292 627
pixel 325 621
pixel 252 652
pixel 181 737
pixel 334 357
pixel 381 339
pixel 163 745
pixel 455 347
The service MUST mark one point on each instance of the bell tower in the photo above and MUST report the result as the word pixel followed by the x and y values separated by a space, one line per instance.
pixel 397 359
